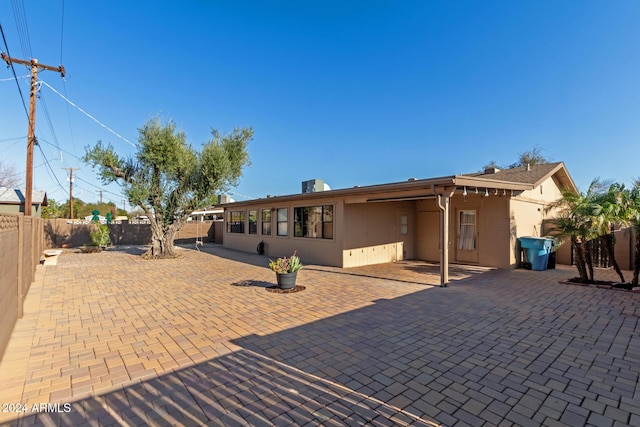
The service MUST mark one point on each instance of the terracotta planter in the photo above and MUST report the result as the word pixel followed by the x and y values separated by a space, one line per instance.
pixel 286 280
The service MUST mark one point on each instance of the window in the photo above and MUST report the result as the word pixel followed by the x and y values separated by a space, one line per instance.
pixel 404 224
pixel 253 222
pixel 467 230
pixel 266 222
pixel 235 222
pixel 315 222
pixel 283 221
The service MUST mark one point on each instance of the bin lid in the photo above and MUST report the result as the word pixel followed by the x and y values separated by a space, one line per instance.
pixel 530 242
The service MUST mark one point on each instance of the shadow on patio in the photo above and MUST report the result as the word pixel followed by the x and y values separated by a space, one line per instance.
pixel 504 345
pixel 409 271
pixel 299 376
pixel 516 346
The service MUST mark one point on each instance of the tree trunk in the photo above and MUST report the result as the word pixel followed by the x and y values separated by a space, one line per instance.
pixel 608 242
pixel 161 243
pixel 578 251
pixel 636 264
pixel 588 259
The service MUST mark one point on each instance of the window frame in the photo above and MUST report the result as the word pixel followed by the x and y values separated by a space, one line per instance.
pixel 237 225
pixel 463 238
pixel 253 225
pixel 266 231
pixel 404 224
pixel 301 227
pixel 282 225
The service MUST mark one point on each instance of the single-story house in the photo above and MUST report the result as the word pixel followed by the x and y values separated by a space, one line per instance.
pixel 479 215
pixel 12 201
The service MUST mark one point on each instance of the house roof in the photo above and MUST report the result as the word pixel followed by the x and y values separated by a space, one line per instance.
pixel 15 196
pixel 516 179
pixel 533 175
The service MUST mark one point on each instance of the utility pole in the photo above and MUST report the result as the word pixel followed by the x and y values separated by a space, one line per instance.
pixel 31 138
pixel 71 190
pixel 100 191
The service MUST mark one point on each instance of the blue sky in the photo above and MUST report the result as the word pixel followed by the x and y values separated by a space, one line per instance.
pixel 354 93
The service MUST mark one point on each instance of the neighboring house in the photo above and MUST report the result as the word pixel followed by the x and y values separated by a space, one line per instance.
pixel 12 201
pixel 480 215
pixel 89 218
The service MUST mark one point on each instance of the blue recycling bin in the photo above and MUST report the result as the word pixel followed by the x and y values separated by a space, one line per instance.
pixel 537 251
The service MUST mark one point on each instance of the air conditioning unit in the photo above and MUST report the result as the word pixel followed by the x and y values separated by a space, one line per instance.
pixel 312 186
pixel 224 198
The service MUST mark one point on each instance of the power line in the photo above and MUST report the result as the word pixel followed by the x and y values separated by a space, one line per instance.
pixel 13 139
pixel 87 114
pixel 15 76
pixel 70 190
pixel 49 122
pixel 31 138
pixel 241 195
pixel 73 141
pixel 64 81
pixel 76 176
pixel 88 191
pixel 20 17
pixel 95 186
pixel 62 32
pixel 60 149
pixel 51 175
pixel 17 140
pixel 8 147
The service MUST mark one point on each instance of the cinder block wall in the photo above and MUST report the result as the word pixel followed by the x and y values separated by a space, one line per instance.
pixel 59 232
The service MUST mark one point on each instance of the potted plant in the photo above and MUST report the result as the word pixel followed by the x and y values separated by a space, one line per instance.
pixel 286 270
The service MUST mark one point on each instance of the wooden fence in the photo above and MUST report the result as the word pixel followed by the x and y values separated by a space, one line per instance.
pixel 624 250
pixel 21 246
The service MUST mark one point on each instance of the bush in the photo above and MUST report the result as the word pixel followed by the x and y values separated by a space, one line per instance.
pixel 100 236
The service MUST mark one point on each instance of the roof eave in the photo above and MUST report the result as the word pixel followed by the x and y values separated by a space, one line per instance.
pixel 467 181
pixel 565 178
pixel 354 191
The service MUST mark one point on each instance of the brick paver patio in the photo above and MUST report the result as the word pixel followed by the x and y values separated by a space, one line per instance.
pixel 199 341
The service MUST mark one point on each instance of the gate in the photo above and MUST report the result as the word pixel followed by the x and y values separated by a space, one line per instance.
pixel 599 254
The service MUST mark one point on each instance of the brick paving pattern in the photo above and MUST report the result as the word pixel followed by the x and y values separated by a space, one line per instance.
pixel 198 341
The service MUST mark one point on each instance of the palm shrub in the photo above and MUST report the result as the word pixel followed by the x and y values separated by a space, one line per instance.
pixel 633 215
pixel 100 236
pixel 584 218
pixel 608 210
pixel 574 221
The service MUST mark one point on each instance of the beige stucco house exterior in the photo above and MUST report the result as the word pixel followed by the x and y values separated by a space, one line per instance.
pixel 479 215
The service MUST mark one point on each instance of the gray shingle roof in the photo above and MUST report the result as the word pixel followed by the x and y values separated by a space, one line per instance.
pixel 511 179
pixel 521 174
pixel 16 196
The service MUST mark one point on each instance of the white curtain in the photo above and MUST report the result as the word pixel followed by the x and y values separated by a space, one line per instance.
pixel 467 231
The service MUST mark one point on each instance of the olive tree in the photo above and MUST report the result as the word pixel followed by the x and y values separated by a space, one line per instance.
pixel 168 179
pixel 528 157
